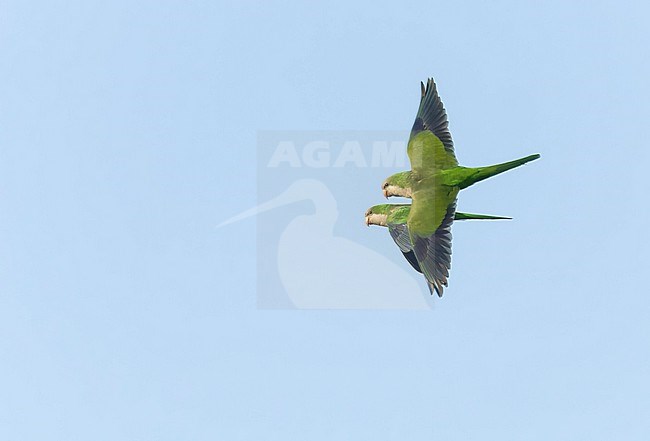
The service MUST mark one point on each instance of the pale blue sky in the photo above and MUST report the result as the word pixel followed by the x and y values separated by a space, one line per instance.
pixel 128 131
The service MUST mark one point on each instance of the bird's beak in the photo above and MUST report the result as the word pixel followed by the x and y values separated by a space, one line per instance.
pixel 385 193
pixel 367 221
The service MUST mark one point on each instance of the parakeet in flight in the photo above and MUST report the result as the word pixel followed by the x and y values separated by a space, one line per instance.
pixel 394 216
pixel 433 184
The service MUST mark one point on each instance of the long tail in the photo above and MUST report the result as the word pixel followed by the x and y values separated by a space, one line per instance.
pixel 471 216
pixel 480 173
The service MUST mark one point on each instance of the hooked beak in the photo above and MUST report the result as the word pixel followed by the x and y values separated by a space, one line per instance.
pixel 367 221
pixel 385 192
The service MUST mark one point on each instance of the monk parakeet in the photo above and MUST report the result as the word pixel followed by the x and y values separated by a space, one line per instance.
pixel 394 216
pixel 433 184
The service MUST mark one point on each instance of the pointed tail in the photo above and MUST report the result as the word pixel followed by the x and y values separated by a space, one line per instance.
pixel 471 216
pixel 480 173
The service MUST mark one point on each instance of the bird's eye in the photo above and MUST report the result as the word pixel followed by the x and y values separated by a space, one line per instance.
pixel 385 185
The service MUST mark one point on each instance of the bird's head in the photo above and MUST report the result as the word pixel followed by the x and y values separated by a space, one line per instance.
pixel 377 215
pixel 397 185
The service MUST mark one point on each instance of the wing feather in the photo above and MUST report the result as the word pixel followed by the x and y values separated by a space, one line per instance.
pixel 432 116
pixel 433 252
pixel 400 234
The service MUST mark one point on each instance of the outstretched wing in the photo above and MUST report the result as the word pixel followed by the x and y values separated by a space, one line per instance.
pixel 430 146
pixel 400 234
pixel 433 252
pixel 432 116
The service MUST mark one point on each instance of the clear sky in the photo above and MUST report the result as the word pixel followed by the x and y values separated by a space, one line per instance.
pixel 128 131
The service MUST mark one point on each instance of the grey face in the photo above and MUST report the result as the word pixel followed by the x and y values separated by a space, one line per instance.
pixel 393 190
pixel 375 219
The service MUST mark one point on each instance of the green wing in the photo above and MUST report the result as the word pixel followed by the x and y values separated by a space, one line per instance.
pixel 429 224
pixel 433 250
pixel 427 153
pixel 436 151
pixel 432 116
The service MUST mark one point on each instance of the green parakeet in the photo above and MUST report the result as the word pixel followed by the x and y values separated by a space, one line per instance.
pixel 394 216
pixel 433 184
